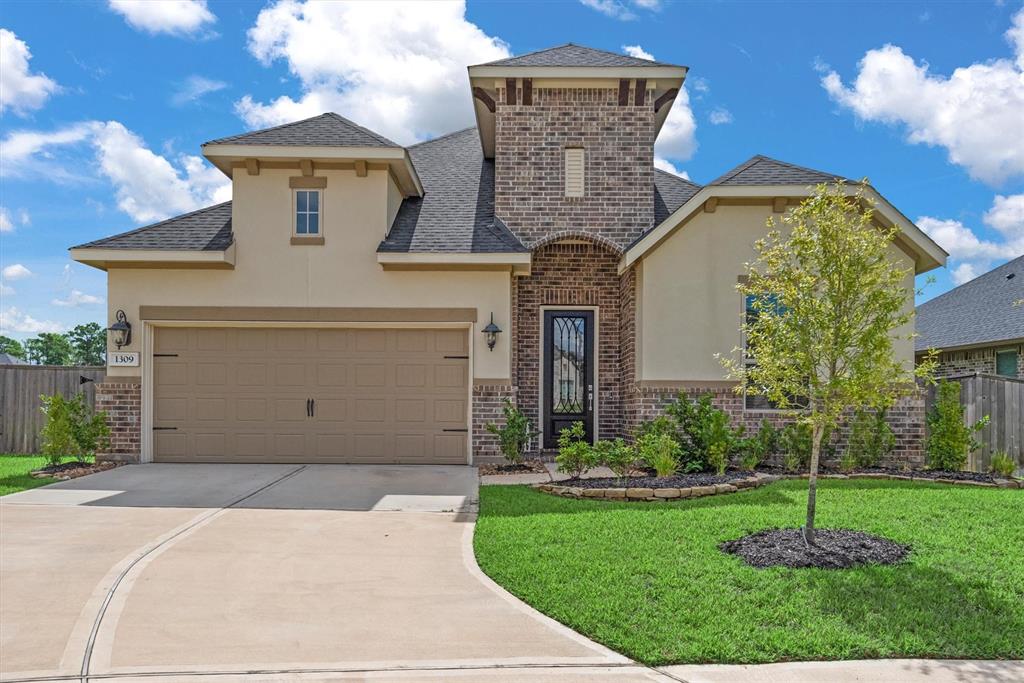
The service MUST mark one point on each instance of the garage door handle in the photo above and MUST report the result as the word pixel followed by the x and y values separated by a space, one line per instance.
pixel 163 429
pixel 309 407
pixel 455 430
pixel 312 407
pixel 456 357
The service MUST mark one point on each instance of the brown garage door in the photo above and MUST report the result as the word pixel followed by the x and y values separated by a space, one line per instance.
pixel 310 395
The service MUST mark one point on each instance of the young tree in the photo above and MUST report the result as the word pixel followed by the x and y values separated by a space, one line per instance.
pixel 49 348
pixel 12 347
pixel 827 304
pixel 89 342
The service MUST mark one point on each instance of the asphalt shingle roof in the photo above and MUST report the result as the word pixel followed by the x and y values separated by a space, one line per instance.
pixel 326 130
pixel 670 192
pixel 574 55
pixel 976 312
pixel 207 229
pixel 456 213
pixel 762 170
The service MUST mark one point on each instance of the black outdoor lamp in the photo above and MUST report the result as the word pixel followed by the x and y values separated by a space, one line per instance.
pixel 491 333
pixel 121 331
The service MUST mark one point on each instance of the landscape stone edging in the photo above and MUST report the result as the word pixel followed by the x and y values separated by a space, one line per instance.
pixel 751 482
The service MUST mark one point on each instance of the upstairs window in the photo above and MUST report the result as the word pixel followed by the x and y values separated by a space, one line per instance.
pixel 574 175
pixel 307 212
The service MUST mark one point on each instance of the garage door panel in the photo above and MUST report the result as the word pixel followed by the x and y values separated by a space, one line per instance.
pixel 240 395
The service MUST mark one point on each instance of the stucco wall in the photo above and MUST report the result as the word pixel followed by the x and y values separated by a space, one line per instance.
pixel 688 306
pixel 343 272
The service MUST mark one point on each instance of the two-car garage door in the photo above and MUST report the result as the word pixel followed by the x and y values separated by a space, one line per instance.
pixel 353 395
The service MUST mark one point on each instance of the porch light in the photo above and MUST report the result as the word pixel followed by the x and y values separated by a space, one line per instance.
pixel 121 331
pixel 491 333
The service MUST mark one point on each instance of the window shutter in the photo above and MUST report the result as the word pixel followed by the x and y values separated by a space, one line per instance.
pixel 574 172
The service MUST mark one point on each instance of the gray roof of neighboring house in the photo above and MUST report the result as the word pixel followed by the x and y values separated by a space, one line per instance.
pixel 670 192
pixel 574 55
pixel 207 229
pixel 326 130
pixel 976 312
pixel 762 170
pixel 8 359
pixel 456 211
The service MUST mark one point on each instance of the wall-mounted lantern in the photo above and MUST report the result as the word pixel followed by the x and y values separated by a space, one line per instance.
pixel 491 333
pixel 121 331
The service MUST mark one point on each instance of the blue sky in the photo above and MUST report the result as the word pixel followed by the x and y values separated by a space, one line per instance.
pixel 103 106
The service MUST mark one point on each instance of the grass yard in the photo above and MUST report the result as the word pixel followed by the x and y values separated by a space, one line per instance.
pixel 648 580
pixel 14 471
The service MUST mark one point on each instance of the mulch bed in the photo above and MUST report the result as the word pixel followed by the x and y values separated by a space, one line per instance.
pixel 680 481
pixel 932 474
pixel 72 470
pixel 833 549
pixel 525 467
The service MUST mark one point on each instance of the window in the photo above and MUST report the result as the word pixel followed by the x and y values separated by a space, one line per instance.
pixel 753 401
pixel 307 212
pixel 1006 363
pixel 574 176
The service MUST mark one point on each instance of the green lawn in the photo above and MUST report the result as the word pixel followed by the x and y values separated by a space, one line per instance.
pixel 648 580
pixel 14 471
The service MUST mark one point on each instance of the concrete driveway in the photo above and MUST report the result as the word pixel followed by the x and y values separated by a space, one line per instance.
pixel 266 572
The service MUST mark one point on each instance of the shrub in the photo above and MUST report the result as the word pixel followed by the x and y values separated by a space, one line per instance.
pixel 660 452
pixel 795 442
pixel 754 449
pixel 871 439
pixel 700 430
pixel 575 455
pixel 617 455
pixel 1002 464
pixel 949 440
pixel 70 430
pixel 718 438
pixel 515 435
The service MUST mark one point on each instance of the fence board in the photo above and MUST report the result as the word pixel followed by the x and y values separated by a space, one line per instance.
pixel 20 414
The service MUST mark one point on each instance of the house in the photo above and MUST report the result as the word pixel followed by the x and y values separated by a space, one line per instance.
pixel 8 359
pixel 977 327
pixel 361 301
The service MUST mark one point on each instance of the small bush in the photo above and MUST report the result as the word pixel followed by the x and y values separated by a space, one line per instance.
pixel 754 449
pixel 617 455
pixel 1002 464
pixel 796 441
pixel 515 435
pixel 718 438
pixel 949 440
pixel 70 430
pixel 575 456
pixel 871 439
pixel 700 429
pixel 660 452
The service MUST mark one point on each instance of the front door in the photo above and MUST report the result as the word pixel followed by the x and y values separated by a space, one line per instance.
pixel 568 394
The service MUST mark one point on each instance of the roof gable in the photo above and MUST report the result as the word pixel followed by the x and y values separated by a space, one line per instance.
pixel 570 55
pixel 325 130
pixel 762 170
pixel 977 312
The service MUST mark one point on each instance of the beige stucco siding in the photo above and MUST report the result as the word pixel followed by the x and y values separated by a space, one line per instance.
pixel 688 306
pixel 343 272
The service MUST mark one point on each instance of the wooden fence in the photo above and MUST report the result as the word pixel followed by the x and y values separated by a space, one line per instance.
pixel 20 388
pixel 1002 399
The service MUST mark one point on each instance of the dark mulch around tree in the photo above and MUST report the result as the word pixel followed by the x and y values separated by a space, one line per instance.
pixel 932 474
pixel 832 549
pixel 676 481
pixel 525 467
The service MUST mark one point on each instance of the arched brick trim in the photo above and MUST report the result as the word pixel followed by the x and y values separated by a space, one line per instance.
pixel 591 237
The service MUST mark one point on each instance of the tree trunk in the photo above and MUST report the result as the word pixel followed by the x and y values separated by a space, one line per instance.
pixel 812 483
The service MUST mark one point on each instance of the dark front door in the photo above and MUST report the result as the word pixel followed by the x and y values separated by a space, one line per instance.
pixel 568 373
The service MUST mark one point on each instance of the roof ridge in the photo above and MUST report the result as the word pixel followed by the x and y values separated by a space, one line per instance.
pixel 677 177
pixel 834 176
pixel 364 129
pixel 154 225
pixel 442 137
pixel 264 130
pixel 735 171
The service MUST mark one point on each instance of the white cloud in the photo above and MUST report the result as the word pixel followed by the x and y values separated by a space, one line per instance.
pixel 1007 216
pixel 960 241
pixel 175 17
pixel 16 271
pixel 965 272
pixel 20 90
pixel 6 290
pixel 700 85
pixel 77 298
pixel 719 116
pixel 14 320
pixel 148 187
pixel 975 113
pixel 6 224
pixel 638 52
pixel 678 137
pixel 611 8
pixel 194 88
pixel 403 71
pixel 666 165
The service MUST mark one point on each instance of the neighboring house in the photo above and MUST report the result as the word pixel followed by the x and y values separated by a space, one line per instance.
pixel 979 326
pixel 336 309
pixel 8 359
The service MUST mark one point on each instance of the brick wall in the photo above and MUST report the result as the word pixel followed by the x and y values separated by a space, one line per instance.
pixel 954 363
pixel 122 402
pixel 618 143
pixel 570 275
pixel 488 407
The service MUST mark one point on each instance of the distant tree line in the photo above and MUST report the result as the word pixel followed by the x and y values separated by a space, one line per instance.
pixel 84 345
